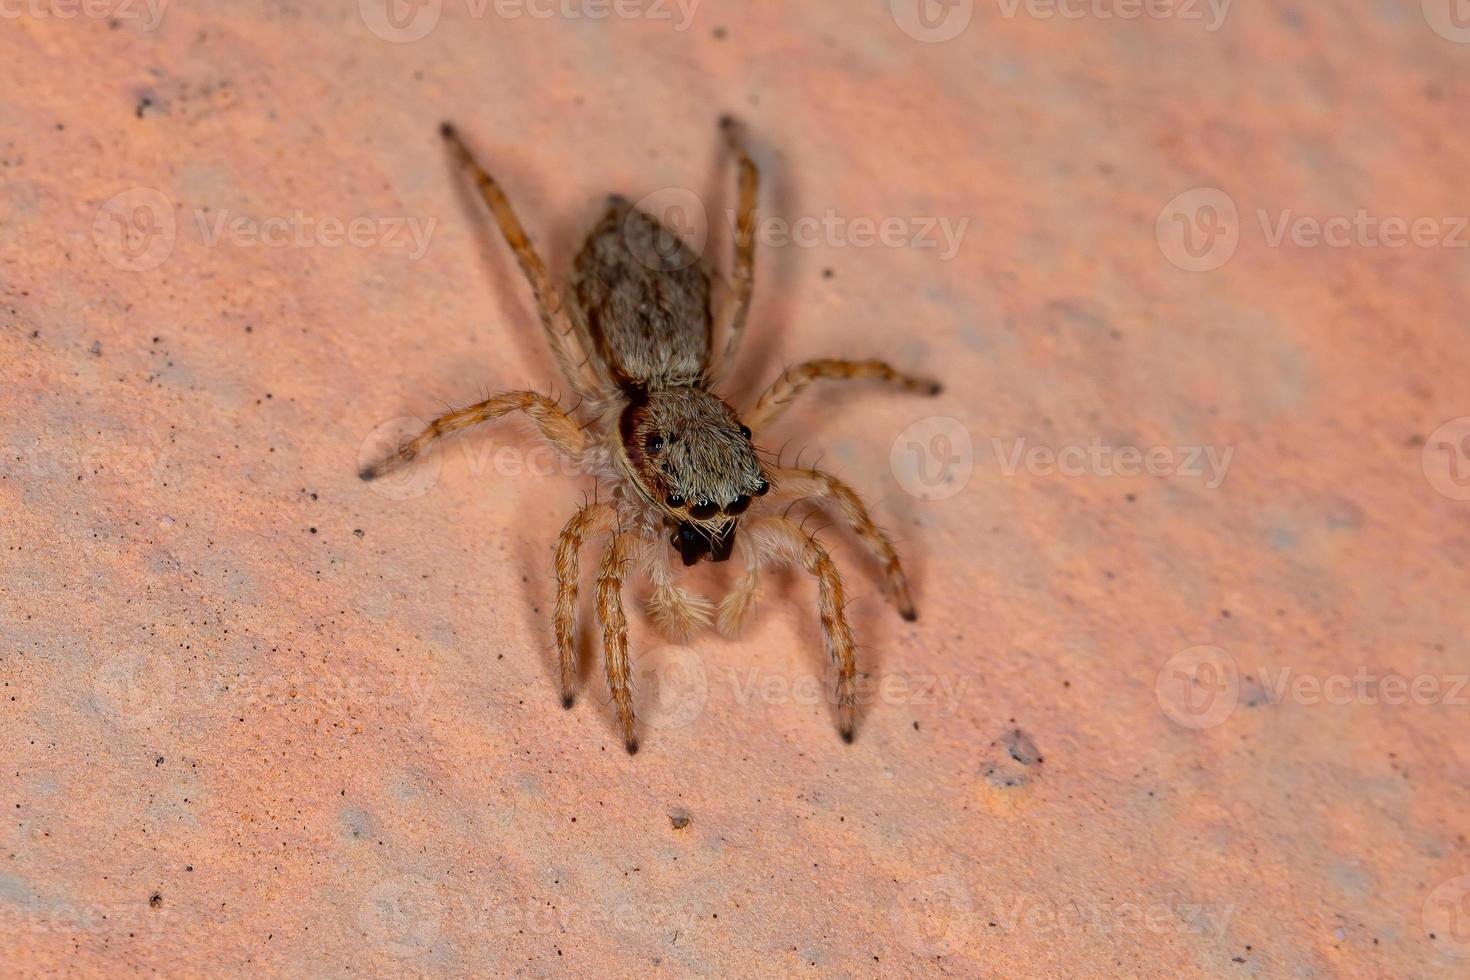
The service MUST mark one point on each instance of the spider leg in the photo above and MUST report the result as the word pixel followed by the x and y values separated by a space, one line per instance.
pixel 742 275
pixel 610 576
pixel 775 539
pixel 558 427
pixel 589 520
pixel 560 334
pixel 815 484
pixel 737 604
pixel 678 612
pixel 791 382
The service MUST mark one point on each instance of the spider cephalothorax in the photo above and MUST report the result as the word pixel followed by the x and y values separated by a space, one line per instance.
pixel 691 457
pixel 638 339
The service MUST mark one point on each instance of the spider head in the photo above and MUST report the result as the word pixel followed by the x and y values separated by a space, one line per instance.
pixel 693 460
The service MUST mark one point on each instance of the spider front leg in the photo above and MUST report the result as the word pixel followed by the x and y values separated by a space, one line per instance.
pixel 590 520
pixel 742 275
pixel 813 484
pixel 559 428
pixel 566 346
pixel 621 550
pixel 678 612
pixel 773 539
pixel 791 382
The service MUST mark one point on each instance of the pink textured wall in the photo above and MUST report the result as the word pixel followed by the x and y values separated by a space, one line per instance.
pixel 1203 720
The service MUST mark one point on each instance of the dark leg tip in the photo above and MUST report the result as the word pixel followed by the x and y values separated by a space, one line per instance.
pixel 847 735
pixel 632 746
pixel 367 473
pixel 910 614
pixel 567 700
pixel 727 122
pixel 935 388
pixel 446 130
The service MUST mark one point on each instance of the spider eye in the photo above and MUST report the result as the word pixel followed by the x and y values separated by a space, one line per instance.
pixel 704 510
pixel 654 444
pixel 675 500
pixel 738 505
pixel 745 431
pixel 761 488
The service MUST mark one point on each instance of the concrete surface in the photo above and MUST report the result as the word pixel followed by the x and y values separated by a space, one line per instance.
pixel 1188 530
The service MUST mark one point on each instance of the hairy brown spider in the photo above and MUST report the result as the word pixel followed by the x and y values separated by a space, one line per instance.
pixel 637 341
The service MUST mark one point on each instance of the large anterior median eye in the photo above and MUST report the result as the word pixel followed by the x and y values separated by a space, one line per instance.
pixel 653 444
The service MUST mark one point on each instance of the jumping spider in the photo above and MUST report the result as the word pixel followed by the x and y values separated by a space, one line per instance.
pixel 636 339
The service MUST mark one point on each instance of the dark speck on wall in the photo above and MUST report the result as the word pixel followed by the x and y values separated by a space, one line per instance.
pixel 1021 748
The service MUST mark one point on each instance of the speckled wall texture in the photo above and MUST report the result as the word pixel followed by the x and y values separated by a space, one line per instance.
pixel 1188 529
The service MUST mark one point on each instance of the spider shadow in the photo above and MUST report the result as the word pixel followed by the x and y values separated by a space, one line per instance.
pixel 509 283
pixel 499 262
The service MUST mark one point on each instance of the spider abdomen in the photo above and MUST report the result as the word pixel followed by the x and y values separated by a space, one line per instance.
pixel 643 299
